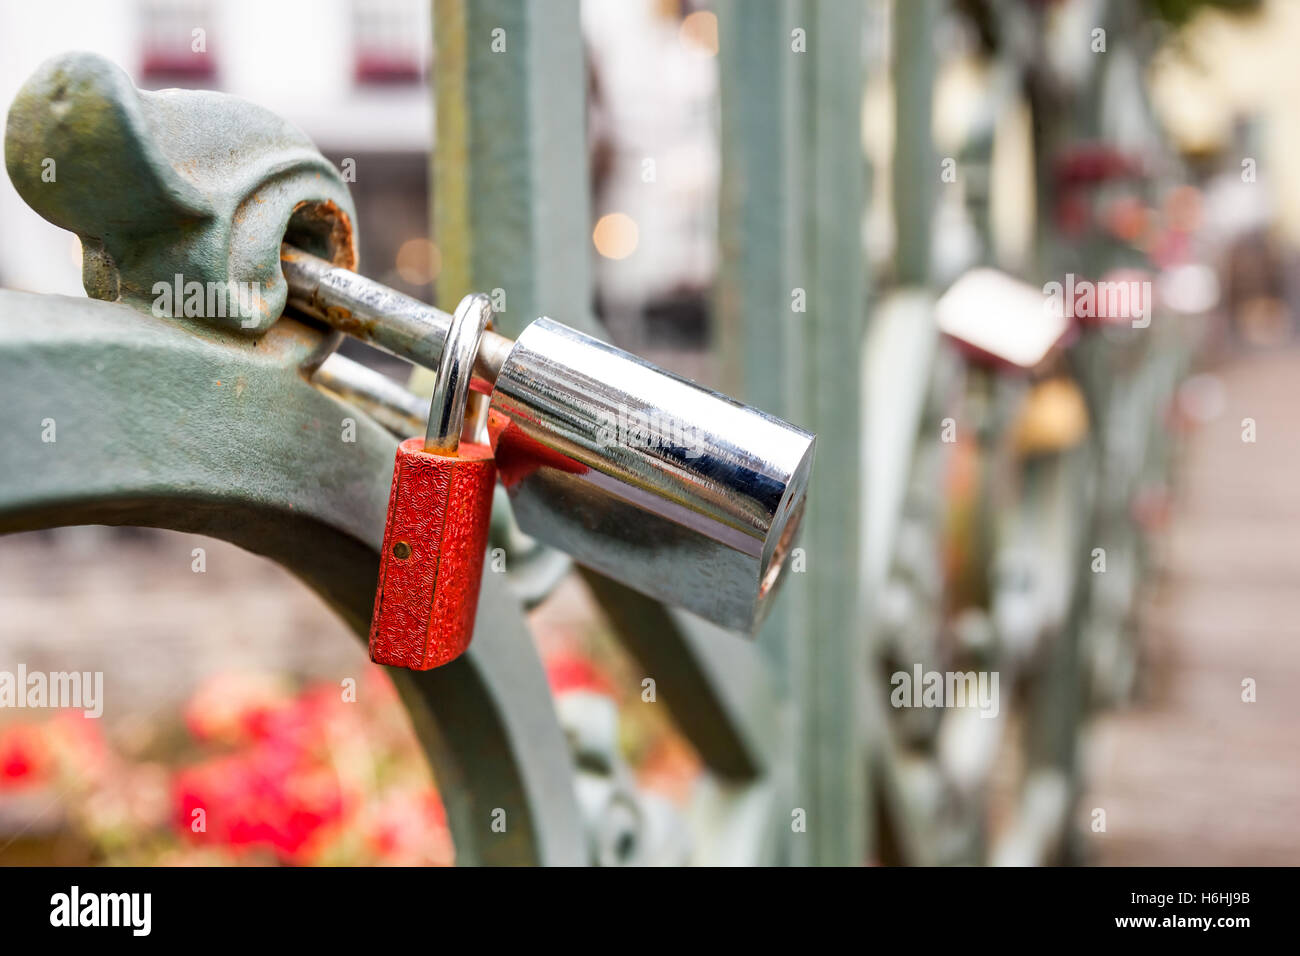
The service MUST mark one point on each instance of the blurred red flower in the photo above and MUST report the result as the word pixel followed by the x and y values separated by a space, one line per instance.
pixel 24 759
pixel 409 828
pixel 233 708
pixel 570 672
pixel 280 794
pixel 271 797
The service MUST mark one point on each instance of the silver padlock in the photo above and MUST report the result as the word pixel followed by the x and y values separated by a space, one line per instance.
pixel 672 489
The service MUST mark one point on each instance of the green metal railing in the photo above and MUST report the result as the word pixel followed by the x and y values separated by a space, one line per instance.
pixel 805 763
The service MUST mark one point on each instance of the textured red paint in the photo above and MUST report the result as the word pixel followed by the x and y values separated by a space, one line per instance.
pixel 425 603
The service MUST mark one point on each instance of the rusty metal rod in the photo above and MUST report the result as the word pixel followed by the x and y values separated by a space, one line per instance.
pixel 384 317
pixel 395 407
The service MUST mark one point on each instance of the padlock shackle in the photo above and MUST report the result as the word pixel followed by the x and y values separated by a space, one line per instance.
pixel 451 388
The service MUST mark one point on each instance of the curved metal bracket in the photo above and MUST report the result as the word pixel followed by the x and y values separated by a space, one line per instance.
pixel 169 221
pixel 157 426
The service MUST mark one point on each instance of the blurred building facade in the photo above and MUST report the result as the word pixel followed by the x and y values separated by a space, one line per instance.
pixel 357 85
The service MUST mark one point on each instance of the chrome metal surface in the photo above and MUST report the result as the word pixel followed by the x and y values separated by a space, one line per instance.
pixel 451 388
pixel 677 491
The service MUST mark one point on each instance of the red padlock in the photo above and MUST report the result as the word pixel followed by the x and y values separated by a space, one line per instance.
pixel 438 513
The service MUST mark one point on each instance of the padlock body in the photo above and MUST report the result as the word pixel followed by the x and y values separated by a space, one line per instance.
pixel 432 562
pixel 667 487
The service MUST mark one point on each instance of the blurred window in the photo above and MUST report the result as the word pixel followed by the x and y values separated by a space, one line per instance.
pixel 174 40
pixel 387 43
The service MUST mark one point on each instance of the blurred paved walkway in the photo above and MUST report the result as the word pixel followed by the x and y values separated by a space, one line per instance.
pixel 1190 774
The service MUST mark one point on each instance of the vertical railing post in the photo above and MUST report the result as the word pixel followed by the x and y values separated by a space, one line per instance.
pixel 510 187
pixel 510 216
pixel 915 172
pixel 793 292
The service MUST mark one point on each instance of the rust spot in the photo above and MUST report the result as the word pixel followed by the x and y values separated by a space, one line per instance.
pixel 328 228
pixel 345 321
